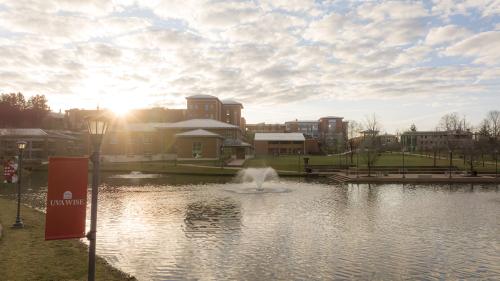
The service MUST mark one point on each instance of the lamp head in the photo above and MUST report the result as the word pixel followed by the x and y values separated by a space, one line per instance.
pixel 96 127
pixel 21 145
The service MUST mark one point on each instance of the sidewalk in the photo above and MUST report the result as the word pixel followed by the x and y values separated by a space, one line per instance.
pixel 422 178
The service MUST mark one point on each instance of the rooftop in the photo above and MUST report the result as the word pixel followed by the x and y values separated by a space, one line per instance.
pixel 279 137
pixel 198 133
pixel 332 117
pixel 201 97
pixel 197 124
pixel 302 121
pixel 231 102
pixel 22 132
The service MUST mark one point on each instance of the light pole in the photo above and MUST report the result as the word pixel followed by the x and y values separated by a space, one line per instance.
pixel 404 174
pixel 97 127
pixel 451 163
pixel 21 145
pixel 496 163
pixel 357 163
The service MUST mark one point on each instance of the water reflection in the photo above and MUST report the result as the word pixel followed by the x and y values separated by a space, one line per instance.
pixel 178 228
pixel 212 217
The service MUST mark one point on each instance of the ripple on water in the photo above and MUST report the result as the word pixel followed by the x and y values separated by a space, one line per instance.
pixel 311 232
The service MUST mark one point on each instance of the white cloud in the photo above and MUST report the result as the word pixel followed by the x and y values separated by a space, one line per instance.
pixel 444 34
pixel 484 47
pixel 392 10
pixel 271 52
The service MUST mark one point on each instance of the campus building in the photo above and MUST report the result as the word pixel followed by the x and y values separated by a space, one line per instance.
pixel 308 128
pixel 210 107
pixel 41 144
pixel 333 133
pixel 207 130
pixel 433 140
pixel 279 144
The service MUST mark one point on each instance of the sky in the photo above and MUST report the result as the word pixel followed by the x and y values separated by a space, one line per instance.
pixel 406 61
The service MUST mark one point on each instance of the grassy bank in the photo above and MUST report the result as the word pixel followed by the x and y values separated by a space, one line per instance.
pixel 24 255
pixel 294 163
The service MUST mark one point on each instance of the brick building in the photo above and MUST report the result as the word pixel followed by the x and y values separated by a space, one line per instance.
pixel 279 144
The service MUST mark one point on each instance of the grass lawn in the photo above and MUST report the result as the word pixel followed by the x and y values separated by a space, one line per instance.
pixel 161 167
pixel 24 255
pixel 291 163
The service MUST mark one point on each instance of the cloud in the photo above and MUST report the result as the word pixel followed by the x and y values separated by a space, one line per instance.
pixel 483 47
pixel 271 52
pixel 445 34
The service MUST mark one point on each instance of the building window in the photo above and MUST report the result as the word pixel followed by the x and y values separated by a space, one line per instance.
pixel 195 106
pixel 206 107
pixel 197 150
pixel 147 139
pixel 113 139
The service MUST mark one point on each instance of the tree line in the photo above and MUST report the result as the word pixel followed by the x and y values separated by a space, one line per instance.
pixel 18 112
pixel 473 144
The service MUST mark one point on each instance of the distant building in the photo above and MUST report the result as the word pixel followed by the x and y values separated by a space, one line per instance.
pixel 41 144
pixel 265 128
pixel 279 144
pixel 203 139
pixel 210 107
pixel 308 128
pixel 333 133
pixel 431 140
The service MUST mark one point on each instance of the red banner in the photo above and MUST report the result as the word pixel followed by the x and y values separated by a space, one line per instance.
pixel 66 198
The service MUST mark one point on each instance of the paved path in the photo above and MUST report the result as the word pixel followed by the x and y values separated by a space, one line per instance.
pixel 236 163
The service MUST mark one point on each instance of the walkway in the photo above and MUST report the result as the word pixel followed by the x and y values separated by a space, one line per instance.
pixel 236 163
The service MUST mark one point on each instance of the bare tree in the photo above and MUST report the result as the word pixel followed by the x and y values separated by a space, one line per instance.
pixel 493 122
pixel 371 143
pixel 453 122
pixel 354 131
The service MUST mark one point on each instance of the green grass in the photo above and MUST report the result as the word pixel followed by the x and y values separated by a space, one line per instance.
pixel 291 163
pixel 24 255
pixel 159 167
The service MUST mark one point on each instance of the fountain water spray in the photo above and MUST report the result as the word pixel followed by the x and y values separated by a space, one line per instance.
pixel 257 176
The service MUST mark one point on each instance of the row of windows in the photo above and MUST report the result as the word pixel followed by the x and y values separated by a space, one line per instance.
pixel 137 140
pixel 285 142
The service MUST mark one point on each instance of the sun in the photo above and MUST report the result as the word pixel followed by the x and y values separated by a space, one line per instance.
pixel 120 109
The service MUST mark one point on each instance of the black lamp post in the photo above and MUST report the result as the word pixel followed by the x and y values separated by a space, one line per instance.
pixel 496 162
pixel 404 172
pixel 357 163
pixel 451 163
pixel 96 128
pixel 21 145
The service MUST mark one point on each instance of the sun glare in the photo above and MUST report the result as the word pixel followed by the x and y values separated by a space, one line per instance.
pixel 120 110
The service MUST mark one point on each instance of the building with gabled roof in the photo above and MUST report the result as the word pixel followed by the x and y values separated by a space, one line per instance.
pixel 279 144
pixel 41 143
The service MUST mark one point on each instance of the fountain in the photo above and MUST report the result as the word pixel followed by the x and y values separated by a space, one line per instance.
pixel 251 180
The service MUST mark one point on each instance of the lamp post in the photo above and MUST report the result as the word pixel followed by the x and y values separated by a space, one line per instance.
pixel 97 127
pixel 451 163
pixel 496 163
pixel 404 173
pixel 21 145
pixel 357 163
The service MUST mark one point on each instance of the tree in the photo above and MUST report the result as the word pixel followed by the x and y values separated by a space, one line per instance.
pixel 371 143
pixel 453 122
pixel 354 130
pixel 493 121
pixel 15 111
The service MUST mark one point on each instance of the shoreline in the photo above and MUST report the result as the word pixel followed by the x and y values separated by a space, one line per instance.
pixel 27 256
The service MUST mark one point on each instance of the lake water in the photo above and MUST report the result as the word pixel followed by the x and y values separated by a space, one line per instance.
pixel 192 228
